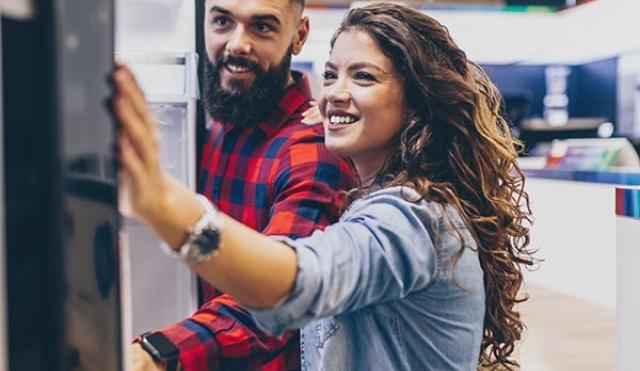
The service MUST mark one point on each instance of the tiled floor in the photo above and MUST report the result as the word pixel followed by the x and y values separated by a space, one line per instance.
pixel 566 334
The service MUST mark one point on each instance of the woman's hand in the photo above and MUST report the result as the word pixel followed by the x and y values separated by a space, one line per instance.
pixel 161 201
pixel 255 269
pixel 139 147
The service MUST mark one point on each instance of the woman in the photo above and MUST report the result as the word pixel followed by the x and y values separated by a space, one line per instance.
pixel 422 271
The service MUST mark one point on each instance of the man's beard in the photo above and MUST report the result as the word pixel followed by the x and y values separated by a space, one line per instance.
pixel 244 106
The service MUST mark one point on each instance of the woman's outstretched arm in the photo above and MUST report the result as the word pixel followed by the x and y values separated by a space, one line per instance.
pixel 258 271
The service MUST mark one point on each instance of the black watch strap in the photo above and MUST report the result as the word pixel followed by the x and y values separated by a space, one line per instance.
pixel 161 349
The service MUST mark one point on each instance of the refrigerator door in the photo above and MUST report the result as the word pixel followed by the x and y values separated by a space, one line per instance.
pixel 61 214
pixel 84 48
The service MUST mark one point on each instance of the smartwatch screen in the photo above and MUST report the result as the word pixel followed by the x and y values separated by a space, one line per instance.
pixel 159 346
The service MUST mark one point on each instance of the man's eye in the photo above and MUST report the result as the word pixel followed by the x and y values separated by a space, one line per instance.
pixel 329 75
pixel 221 22
pixel 364 76
pixel 263 27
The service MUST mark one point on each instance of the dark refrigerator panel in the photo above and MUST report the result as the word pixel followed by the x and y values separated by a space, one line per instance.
pixel 61 217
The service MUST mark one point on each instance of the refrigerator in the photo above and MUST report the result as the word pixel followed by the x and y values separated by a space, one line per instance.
pixel 61 222
pixel 80 278
pixel 157 40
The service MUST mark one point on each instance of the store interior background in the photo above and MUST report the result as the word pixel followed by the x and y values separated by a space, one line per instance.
pixel 582 312
pixel 571 316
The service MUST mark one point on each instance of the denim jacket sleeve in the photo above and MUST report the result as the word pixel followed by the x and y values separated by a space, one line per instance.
pixel 381 250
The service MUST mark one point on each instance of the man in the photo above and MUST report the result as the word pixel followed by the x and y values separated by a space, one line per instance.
pixel 260 165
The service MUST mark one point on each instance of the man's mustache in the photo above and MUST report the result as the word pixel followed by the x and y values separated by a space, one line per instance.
pixel 238 61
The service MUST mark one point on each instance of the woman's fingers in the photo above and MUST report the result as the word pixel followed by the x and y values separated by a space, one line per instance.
pixel 141 139
pixel 131 163
pixel 139 146
pixel 128 86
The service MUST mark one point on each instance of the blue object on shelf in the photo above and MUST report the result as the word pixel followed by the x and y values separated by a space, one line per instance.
pixel 628 202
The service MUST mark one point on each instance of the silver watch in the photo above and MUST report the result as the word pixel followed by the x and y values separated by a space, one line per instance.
pixel 203 241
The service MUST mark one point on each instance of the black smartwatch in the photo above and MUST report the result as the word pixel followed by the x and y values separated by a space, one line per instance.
pixel 161 349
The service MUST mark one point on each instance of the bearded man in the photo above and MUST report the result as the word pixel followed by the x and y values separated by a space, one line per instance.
pixel 262 166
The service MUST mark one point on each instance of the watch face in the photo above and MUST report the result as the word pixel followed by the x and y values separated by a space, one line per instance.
pixel 208 241
pixel 160 347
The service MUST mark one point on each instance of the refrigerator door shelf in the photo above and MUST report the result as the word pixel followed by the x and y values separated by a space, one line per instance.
pixel 170 83
pixel 153 15
pixel 172 119
pixel 166 77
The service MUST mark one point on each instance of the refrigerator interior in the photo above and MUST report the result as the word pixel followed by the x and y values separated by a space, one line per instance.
pixel 156 39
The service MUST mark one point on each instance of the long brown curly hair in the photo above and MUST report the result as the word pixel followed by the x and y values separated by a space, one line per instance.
pixel 458 149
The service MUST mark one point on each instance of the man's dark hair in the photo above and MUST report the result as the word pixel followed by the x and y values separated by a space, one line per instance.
pixel 300 3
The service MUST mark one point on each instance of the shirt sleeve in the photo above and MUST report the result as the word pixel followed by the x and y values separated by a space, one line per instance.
pixel 381 251
pixel 222 334
pixel 305 186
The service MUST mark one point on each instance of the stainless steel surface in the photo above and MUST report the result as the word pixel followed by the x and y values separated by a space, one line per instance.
pixel 83 60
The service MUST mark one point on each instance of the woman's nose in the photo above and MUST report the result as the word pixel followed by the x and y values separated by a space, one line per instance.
pixel 338 93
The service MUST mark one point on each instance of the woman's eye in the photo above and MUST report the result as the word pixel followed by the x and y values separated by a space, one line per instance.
pixel 329 75
pixel 364 76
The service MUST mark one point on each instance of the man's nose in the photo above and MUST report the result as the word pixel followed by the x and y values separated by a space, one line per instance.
pixel 240 42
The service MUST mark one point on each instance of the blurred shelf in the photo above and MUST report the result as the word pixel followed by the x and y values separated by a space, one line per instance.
pixel 582 123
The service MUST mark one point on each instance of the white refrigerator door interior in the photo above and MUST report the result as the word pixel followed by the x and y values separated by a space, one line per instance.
pixel 163 290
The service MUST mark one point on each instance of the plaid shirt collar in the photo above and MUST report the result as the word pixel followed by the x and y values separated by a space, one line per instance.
pixel 294 98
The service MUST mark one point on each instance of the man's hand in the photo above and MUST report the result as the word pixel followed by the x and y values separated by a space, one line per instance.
pixel 312 116
pixel 142 361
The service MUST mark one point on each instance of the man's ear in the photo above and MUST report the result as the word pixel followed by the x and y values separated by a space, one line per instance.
pixel 301 35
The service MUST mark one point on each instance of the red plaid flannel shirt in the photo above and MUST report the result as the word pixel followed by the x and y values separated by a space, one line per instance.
pixel 277 178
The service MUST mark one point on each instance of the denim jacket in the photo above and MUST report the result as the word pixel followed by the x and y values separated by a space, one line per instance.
pixel 379 290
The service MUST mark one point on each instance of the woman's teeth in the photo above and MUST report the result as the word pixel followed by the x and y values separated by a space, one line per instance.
pixel 342 120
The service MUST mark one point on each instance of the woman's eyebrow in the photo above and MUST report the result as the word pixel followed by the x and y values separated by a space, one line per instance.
pixel 357 66
pixel 361 65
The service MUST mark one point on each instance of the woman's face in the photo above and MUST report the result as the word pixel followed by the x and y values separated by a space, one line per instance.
pixel 363 103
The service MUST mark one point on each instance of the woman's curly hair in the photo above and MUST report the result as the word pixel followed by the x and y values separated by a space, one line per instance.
pixel 458 149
